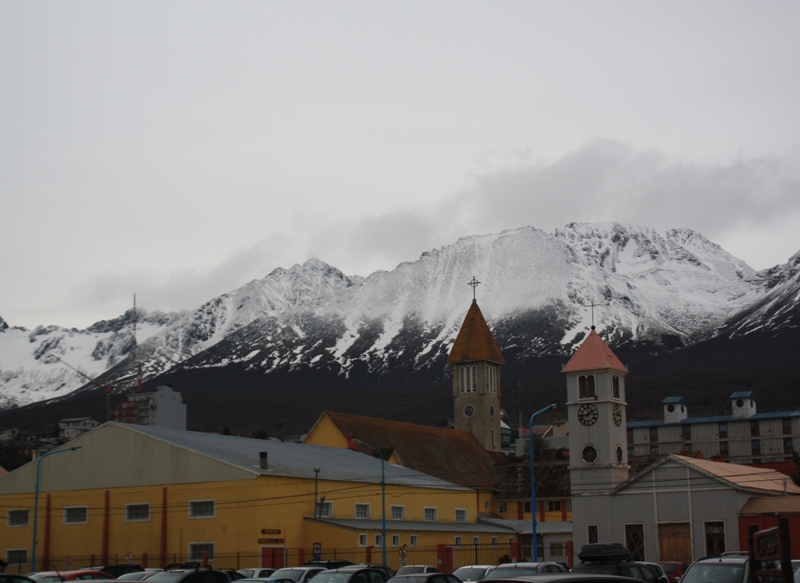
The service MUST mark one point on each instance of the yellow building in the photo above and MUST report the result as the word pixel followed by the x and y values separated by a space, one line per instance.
pixel 157 496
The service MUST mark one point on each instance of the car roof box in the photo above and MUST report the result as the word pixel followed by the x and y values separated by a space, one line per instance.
pixel 595 552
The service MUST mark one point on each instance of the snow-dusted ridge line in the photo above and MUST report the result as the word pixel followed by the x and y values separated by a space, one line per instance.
pixel 537 291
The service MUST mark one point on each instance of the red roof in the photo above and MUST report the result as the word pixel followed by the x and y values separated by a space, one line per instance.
pixel 449 454
pixel 475 341
pixel 594 354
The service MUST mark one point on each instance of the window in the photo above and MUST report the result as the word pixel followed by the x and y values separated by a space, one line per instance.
pixel 324 509
pixel 526 506
pixel 468 378
pixel 630 435
pixel 362 539
pixel 787 425
pixel 398 512
pixel 412 540
pixel 653 450
pixel 18 517
pixel 715 538
pixel 723 430
pixel 431 514
pixel 492 371
pixel 457 542
pixel 554 506
pixel 586 387
pixel 686 432
pixel 476 540
pixel 17 556
pixel 362 510
pixel 754 429
pixel 654 435
pixel 197 551
pixel 201 509
pixel 723 448
pixel 76 514
pixel 495 542
pixel 615 385
pixel 378 540
pixel 755 446
pixel 502 507
pixel 461 515
pixel 137 512
pixel 591 534
pixel 788 446
pixel 634 540
pixel 395 540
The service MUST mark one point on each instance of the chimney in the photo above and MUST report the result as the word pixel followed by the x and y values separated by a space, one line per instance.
pixel 262 455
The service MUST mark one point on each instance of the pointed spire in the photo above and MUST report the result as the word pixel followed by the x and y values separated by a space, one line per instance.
pixel 475 341
pixel 594 354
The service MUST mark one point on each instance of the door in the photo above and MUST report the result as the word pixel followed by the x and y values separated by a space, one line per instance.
pixel 674 542
pixel 273 557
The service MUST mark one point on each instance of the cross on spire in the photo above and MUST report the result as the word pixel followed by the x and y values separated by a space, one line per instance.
pixel 474 283
pixel 593 305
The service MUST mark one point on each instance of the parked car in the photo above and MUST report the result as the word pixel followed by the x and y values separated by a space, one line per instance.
pixel 410 569
pixel 12 578
pixel 430 577
pixel 330 564
pixel 351 574
pixel 472 573
pixel 297 574
pixel 77 575
pixel 521 569
pixel 190 576
pixel 732 567
pixel 612 559
pixel 386 570
pixel 570 578
pixel 674 569
pixel 139 575
pixel 117 570
pixel 264 580
pixel 257 573
pixel 656 569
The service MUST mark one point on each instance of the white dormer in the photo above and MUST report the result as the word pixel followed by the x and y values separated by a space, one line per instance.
pixel 676 409
pixel 743 404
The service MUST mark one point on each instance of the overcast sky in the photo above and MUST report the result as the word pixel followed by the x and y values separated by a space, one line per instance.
pixel 177 150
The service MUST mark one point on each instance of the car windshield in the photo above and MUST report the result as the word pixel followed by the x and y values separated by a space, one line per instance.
pixel 293 574
pixel 470 573
pixel 171 577
pixel 510 572
pixel 712 572
pixel 333 577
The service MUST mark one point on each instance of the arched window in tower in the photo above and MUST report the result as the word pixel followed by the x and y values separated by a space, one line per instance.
pixel 615 386
pixel 474 368
pixel 462 379
pixel 492 381
pixel 586 387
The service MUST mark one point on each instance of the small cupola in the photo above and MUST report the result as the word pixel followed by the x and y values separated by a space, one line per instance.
pixel 676 409
pixel 743 404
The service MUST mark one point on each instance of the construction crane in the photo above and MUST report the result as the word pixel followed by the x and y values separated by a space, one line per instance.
pixel 105 388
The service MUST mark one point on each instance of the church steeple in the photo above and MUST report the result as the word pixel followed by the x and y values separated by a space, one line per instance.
pixel 476 359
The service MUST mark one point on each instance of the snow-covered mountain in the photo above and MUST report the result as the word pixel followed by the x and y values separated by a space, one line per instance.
pixel 539 292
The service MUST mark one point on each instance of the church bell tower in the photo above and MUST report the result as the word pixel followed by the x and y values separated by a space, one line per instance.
pixel 475 360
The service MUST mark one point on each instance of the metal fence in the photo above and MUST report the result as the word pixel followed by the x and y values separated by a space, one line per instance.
pixel 435 555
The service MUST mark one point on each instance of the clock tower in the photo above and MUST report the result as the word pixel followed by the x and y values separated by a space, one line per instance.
pixel 598 448
pixel 475 359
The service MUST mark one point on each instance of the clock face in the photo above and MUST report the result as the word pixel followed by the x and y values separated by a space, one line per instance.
pixel 617 414
pixel 469 410
pixel 587 414
pixel 589 454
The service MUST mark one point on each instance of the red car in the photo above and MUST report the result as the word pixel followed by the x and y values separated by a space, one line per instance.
pixel 674 570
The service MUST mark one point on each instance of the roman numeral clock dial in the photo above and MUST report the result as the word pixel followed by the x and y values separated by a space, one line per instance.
pixel 587 414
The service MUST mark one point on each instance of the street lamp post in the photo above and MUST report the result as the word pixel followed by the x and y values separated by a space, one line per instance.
pixel 36 500
pixel 534 545
pixel 383 496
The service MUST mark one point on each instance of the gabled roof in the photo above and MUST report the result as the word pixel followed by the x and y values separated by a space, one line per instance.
pixel 475 341
pixel 594 354
pixel 202 457
pixel 739 477
pixel 449 454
